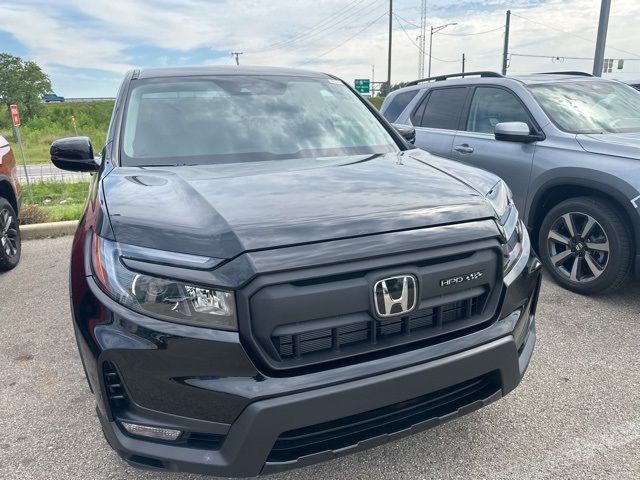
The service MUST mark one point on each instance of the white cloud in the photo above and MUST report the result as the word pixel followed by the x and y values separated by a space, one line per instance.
pixel 107 29
pixel 53 42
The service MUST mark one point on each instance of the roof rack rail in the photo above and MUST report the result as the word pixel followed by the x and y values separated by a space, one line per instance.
pixel 440 78
pixel 578 74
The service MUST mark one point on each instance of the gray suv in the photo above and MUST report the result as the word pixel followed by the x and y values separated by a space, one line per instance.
pixel 567 144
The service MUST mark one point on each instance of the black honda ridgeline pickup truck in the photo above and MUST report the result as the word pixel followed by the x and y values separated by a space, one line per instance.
pixel 268 274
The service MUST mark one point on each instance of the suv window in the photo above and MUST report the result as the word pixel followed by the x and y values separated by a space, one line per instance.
pixel 594 106
pixel 491 106
pixel 398 104
pixel 443 109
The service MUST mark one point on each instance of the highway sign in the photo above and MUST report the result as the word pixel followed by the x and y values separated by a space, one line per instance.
pixel 363 85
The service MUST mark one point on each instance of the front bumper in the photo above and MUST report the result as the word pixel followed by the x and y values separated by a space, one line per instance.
pixel 204 383
pixel 250 439
pixel 270 414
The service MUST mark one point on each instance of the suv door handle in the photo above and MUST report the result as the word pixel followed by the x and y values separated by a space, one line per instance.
pixel 464 148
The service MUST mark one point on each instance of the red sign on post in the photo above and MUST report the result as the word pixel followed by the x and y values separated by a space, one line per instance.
pixel 15 116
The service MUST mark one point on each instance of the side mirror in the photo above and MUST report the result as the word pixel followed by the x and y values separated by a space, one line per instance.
pixel 515 132
pixel 74 154
pixel 407 132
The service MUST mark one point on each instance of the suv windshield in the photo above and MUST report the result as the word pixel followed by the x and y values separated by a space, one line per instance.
pixel 590 107
pixel 182 121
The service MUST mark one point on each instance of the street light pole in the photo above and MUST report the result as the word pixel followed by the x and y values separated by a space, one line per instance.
pixel 435 30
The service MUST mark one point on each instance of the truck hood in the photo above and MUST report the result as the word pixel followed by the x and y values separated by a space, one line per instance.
pixel 616 144
pixel 222 211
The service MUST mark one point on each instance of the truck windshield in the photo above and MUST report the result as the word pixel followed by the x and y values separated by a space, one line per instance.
pixel 590 107
pixel 228 119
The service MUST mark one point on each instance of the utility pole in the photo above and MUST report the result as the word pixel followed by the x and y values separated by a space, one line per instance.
pixel 237 55
pixel 390 36
pixel 435 30
pixel 463 60
pixel 430 50
pixel 505 51
pixel 422 39
pixel 598 60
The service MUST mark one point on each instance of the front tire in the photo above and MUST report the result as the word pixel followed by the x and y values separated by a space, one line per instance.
pixel 586 245
pixel 10 241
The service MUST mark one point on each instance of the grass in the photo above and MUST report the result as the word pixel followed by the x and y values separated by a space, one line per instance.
pixel 54 121
pixel 377 101
pixel 55 202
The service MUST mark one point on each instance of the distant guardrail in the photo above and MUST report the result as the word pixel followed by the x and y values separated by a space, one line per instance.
pixel 85 100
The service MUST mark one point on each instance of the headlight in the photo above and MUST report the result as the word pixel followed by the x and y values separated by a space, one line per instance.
pixel 162 298
pixel 513 248
pixel 501 200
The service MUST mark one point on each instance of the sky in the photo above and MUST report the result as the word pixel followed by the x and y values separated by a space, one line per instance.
pixel 86 46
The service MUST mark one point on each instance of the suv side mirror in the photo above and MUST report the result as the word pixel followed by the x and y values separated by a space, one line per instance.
pixel 515 132
pixel 407 132
pixel 74 154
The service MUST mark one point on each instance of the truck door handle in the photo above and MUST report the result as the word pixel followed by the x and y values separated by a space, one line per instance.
pixel 464 148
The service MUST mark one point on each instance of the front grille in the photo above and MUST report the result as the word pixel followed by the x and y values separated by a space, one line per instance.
pixel 423 324
pixel 306 319
pixel 116 394
pixel 349 431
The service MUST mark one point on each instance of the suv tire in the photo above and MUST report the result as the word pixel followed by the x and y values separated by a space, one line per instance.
pixel 586 246
pixel 10 242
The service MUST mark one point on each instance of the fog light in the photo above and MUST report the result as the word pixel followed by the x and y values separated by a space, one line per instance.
pixel 151 432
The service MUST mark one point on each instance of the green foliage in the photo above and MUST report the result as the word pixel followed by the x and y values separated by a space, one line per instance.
pixel 54 121
pixel 376 101
pixel 23 83
pixel 384 88
pixel 55 202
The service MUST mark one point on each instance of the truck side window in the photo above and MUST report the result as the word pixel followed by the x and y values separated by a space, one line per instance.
pixel 491 106
pixel 398 104
pixel 443 108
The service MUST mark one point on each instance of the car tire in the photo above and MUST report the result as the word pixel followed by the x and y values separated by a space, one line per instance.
pixel 592 255
pixel 10 241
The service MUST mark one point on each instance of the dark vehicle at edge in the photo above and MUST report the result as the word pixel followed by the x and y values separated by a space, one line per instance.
pixel 268 275
pixel 10 199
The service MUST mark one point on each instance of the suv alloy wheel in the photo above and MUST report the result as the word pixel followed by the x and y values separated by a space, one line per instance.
pixel 10 245
pixel 586 245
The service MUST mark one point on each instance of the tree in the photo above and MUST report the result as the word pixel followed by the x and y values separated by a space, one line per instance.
pixel 384 88
pixel 23 83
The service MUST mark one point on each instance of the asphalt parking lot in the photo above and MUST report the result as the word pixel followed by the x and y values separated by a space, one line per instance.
pixel 576 415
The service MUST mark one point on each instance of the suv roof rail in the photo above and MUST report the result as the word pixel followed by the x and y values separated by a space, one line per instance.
pixel 579 74
pixel 440 78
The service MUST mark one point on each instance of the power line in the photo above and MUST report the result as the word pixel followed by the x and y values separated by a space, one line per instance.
pixel 320 24
pixel 346 40
pixel 320 30
pixel 590 40
pixel 563 57
pixel 416 45
pixel 405 20
pixel 501 27
pixel 486 54
pixel 473 33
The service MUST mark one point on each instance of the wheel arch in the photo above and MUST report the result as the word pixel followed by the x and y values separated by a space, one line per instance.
pixel 559 189
pixel 6 191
